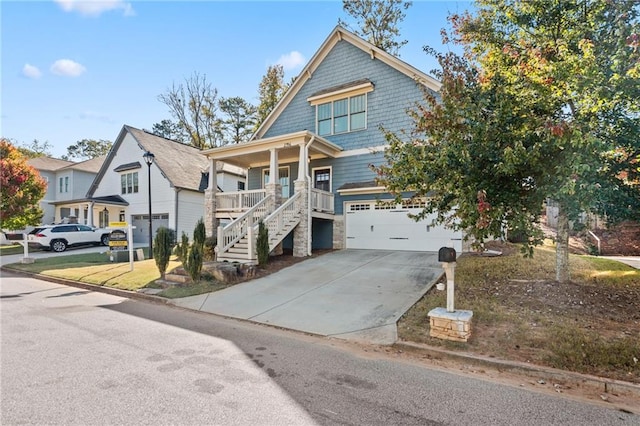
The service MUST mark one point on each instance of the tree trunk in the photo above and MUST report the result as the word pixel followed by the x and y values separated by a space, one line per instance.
pixel 562 246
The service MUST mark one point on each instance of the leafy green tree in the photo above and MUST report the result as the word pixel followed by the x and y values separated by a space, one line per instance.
pixel 169 129
pixel 271 89
pixel 86 149
pixel 378 21
pixel 239 119
pixel 21 187
pixel 35 149
pixel 194 105
pixel 199 233
pixel 182 251
pixel 544 104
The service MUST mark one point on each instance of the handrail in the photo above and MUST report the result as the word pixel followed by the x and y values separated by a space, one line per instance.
pixel 322 201
pixel 285 216
pixel 237 229
pixel 240 200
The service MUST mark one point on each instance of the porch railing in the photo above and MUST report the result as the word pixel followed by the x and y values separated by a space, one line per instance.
pixel 239 201
pixel 237 229
pixel 282 220
pixel 322 201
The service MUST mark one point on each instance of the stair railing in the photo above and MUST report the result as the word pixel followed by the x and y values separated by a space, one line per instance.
pixel 237 229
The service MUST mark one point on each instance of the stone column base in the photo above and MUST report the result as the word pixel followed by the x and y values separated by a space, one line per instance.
pixel 454 325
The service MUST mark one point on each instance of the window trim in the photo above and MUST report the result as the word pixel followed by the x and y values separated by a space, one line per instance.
pixel 135 187
pixel 348 115
pixel 313 176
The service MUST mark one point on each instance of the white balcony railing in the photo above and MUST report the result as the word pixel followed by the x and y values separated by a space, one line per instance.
pixel 322 201
pixel 283 220
pixel 239 201
pixel 237 229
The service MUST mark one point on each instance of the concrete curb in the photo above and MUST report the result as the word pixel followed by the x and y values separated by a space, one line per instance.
pixel 598 384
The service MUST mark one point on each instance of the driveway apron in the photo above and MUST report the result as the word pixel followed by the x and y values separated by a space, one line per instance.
pixel 349 294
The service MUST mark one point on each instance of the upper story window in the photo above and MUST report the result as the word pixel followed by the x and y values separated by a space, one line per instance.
pixel 63 184
pixel 342 108
pixel 129 183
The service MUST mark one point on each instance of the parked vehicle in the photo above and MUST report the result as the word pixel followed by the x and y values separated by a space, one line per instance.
pixel 59 237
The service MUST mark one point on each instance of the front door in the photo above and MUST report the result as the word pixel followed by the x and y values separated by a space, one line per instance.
pixel 322 179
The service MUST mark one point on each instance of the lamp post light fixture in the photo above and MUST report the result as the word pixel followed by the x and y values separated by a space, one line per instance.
pixel 148 158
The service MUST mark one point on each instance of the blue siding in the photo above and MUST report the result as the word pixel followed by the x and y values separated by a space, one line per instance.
pixel 393 94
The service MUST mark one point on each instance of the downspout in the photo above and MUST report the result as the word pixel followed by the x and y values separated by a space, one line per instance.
pixel 307 176
pixel 176 212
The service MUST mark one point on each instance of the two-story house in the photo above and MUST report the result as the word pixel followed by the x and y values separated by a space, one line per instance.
pixel 178 175
pixel 67 182
pixel 309 179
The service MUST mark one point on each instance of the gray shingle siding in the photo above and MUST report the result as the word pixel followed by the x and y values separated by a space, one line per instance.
pixel 387 104
pixel 394 92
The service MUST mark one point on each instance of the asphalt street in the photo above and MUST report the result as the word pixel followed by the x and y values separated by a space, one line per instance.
pixel 72 356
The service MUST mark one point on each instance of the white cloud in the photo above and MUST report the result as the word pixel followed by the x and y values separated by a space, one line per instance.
pixel 95 7
pixel 31 71
pixel 291 60
pixel 67 67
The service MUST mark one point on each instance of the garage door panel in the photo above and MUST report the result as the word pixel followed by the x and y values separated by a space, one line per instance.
pixel 393 229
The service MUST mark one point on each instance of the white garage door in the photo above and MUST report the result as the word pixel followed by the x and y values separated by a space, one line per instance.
pixel 141 224
pixel 370 225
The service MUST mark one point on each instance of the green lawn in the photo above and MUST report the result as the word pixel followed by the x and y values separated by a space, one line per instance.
pixel 96 268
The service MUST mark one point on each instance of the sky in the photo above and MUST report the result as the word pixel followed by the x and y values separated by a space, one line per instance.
pixel 73 70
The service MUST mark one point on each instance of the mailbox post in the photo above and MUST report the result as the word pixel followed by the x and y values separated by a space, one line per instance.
pixel 447 256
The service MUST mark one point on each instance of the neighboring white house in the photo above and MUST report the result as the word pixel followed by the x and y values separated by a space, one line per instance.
pixel 179 176
pixel 66 181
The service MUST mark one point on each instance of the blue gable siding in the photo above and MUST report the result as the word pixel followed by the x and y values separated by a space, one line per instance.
pixel 394 92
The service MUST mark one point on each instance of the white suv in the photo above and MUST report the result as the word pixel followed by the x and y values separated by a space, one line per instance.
pixel 59 237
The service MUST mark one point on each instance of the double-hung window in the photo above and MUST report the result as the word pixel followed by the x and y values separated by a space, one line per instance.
pixel 129 183
pixel 341 109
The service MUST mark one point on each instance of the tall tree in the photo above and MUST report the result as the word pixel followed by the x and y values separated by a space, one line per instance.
pixel 87 149
pixel 35 149
pixel 239 121
pixel 545 104
pixel 378 21
pixel 271 89
pixel 169 129
pixel 194 105
pixel 21 187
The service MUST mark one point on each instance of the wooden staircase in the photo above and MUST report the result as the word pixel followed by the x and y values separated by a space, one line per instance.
pixel 237 240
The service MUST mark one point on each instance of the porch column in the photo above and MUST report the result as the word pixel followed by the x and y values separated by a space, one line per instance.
pixel 210 220
pixel 273 186
pixel 301 233
pixel 302 163
pixel 90 213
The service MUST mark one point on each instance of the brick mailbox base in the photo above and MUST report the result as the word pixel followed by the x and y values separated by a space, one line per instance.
pixel 454 325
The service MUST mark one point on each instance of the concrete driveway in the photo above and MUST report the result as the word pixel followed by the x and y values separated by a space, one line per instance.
pixel 349 294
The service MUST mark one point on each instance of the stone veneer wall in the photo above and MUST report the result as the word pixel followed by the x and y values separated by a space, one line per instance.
pixel 338 232
pixel 301 232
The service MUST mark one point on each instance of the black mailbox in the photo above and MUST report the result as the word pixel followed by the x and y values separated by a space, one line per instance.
pixel 446 254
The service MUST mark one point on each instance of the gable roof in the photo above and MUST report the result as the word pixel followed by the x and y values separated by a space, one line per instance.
pixel 181 164
pixel 340 34
pixel 91 166
pixel 48 164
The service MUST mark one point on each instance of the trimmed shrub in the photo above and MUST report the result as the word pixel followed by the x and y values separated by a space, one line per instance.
pixel 193 265
pixel 162 249
pixel 182 249
pixel 262 244
pixel 209 249
pixel 199 233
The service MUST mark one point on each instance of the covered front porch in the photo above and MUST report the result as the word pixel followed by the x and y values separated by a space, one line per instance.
pixel 284 208
pixel 95 211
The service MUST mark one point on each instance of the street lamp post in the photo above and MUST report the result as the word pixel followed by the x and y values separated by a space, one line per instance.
pixel 148 158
